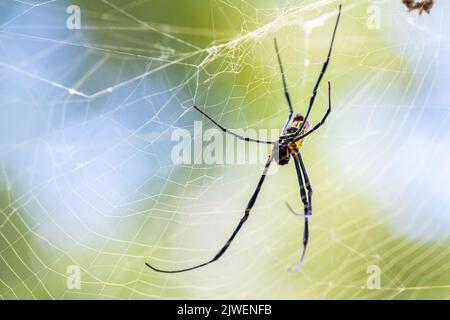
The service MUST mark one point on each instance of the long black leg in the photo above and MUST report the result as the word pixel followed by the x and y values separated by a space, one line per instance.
pixel 299 215
pixel 317 126
pixel 307 206
pixel 307 184
pixel 250 205
pixel 231 132
pixel 322 73
pixel 286 91
pixel 301 185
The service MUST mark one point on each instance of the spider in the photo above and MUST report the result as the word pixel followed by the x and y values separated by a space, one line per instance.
pixel 420 6
pixel 287 146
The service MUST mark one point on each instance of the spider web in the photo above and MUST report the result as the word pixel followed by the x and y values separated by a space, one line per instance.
pixel 87 178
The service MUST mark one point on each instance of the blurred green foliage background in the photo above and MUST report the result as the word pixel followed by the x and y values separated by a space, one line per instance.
pixel 87 179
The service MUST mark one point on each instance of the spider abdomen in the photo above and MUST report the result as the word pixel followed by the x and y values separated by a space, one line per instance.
pixel 281 154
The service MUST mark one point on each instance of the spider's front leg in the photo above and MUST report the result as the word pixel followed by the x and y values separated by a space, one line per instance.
pixel 228 131
pixel 319 80
pixel 322 122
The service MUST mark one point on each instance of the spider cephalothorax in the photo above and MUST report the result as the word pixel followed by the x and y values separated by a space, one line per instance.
pixel 420 6
pixel 293 133
pixel 287 144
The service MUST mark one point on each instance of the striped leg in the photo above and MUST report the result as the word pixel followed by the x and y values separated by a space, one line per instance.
pixel 250 205
pixel 307 184
pixel 231 132
pixel 322 73
pixel 286 91
pixel 318 125
pixel 307 206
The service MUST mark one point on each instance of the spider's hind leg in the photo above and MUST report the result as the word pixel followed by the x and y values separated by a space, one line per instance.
pixel 295 213
pixel 297 266
pixel 303 181
pixel 301 173
pixel 308 185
